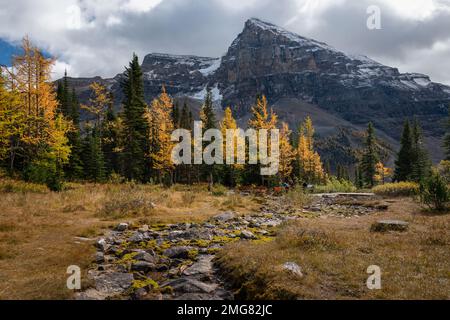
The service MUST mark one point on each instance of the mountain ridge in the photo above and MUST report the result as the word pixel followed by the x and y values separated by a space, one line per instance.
pixel 267 59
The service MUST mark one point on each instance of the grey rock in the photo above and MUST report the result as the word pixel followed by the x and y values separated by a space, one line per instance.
pixel 190 285
pixel 136 237
pixel 225 216
pixel 113 282
pixel 203 267
pixel 122 227
pixel 145 256
pixel 102 245
pixel 181 252
pixel 143 266
pixel 245 234
pixel 293 268
pixel 389 225
pixel 99 257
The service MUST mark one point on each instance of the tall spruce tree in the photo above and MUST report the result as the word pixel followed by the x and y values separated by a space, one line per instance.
pixel 111 140
pixel 370 157
pixel 447 138
pixel 136 130
pixel 209 120
pixel 404 162
pixel 74 168
pixel 421 167
pixel 93 159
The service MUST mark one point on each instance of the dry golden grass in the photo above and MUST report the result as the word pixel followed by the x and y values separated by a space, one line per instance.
pixel 38 228
pixel 334 254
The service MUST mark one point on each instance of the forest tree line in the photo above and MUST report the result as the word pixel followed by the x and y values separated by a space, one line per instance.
pixel 42 138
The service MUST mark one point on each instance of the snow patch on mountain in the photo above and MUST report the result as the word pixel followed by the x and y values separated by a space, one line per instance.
pixel 211 68
pixel 215 92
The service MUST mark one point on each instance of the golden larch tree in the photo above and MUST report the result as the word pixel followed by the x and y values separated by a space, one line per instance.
pixel 161 126
pixel 287 153
pixel 310 164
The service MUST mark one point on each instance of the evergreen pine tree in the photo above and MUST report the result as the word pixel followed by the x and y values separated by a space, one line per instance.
pixel 111 140
pixel 370 157
pixel 447 139
pixel 93 159
pixel 404 162
pixel 74 167
pixel 136 131
pixel 208 118
pixel 421 163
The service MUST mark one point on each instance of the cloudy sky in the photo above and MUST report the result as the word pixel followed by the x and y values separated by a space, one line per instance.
pixel 97 37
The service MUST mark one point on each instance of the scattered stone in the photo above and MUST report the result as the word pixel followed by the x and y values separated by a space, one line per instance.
pixel 99 257
pixel 145 256
pixel 293 268
pixel 225 216
pixel 203 267
pixel 102 245
pixel 139 294
pixel 245 234
pixel 190 285
pixel 389 225
pixel 121 227
pixel 136 237
pixel 143 266
pixel 144 228
pixel 181 252
pixel 113 282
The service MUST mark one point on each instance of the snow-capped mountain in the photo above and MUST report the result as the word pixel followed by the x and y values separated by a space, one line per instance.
pixel 298 75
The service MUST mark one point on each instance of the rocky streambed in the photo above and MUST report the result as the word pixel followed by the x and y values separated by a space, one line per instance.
pixel 176 261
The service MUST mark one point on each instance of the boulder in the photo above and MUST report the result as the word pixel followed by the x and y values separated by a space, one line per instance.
pixel 113 282
pixel 145 256
pixel 245 234
pixel 143 266
pixel 225 216
pixel 122 227
pixel 136 237
pixel 102 245
pixel 293 268
pixel 389 225
pixel 181 252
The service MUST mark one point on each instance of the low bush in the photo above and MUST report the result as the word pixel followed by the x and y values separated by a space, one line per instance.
pixel 335 185
pixel 397 189
pixel 219 190
pixel 297 196
pixel 434 192
pixel 17 186
pixel 124 203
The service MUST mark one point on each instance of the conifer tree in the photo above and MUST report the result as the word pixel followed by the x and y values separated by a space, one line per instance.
pixel 287 153
pixel 370 157
pixel 111 140
pixel 161 123
pixel 208 118
pixel 447 138
pixel 230 173
pixel 93 158
pixel 421 167
pixel 12 122
pixel 136 130
pixel 261 118
pixel 40 146
pixel 310 164
pixel 404 162
pixel 74 167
